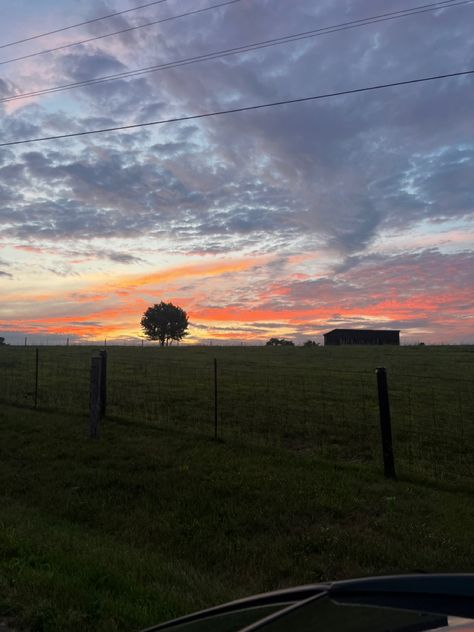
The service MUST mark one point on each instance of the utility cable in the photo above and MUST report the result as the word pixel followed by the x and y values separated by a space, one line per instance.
pixel 127 30
pixel 247 108
pixel 236 50
pixel 74 26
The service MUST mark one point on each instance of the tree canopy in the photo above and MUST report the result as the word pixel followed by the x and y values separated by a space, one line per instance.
pixel 279 342
pixel 165 322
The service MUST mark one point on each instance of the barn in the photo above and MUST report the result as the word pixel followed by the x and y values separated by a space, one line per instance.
pixel 362 337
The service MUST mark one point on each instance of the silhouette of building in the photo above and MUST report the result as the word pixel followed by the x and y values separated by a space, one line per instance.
pixel 362 337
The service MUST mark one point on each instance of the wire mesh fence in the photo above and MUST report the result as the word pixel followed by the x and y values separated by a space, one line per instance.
pixel 51 379
pixel 265 400
pixel 433 424
pixel 334 412
pixel 173 394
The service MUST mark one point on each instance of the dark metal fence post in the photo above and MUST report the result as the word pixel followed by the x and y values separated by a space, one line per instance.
pixel 385 423
pixel 36 377
pixel 103 383
pixel 215 398
pixel 95 399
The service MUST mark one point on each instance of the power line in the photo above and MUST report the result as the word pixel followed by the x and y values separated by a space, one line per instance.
pixel 127 30
pixel 241 109
pixel 242 49
pixel 73 26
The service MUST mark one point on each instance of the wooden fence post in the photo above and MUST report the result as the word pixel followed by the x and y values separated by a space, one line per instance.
pixel 103 383
pixel 95 399
pixel 385 424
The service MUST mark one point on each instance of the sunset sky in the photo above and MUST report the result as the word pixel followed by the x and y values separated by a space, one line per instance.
pixel 353 211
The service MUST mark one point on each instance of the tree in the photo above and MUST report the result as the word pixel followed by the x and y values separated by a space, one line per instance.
pixel 310 343
pixel 2 340
pixel 164 322
pixel 273 342
pixel 279 342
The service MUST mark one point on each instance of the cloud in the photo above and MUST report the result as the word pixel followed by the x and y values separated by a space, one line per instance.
pixel 84 64
pixel 119 257
pixel 3 274
pixel 329 180
pixel 415 294
pixel 7 88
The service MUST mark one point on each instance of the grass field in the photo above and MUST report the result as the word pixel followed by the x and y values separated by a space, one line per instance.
pixel 321 401
pixel 156 519
pixel 147 523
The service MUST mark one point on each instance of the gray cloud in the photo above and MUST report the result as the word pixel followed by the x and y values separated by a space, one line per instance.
pixel 119 257
pixel 334 172
pixel 84 64
pixel 7 88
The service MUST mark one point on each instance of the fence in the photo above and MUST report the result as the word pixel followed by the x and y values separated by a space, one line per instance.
pixel 264 400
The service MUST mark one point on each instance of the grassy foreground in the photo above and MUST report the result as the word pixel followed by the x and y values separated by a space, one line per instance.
pixel 146 523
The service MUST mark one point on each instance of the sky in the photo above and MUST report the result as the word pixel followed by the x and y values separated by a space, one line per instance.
pixel 290 221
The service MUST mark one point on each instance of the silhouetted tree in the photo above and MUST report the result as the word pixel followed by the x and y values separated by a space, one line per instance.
pixel 310 343
pixel 273 342
pixel 2 341
pixel 165 322
pixel 279 342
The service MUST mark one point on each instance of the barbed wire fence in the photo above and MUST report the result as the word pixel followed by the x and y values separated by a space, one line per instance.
pixel 333 413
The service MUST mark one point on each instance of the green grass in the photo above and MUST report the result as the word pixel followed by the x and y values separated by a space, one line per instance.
pixel 321 401
pixel 147 523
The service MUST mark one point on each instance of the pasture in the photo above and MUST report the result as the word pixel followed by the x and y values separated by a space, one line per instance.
pixel 156 518
pixel 321 401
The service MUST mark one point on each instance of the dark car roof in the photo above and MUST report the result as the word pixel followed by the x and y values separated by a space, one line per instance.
pixel 411 603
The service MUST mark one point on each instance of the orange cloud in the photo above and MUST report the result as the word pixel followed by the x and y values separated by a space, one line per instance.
pixel 132 282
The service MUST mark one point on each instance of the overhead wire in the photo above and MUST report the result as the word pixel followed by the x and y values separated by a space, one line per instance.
pixel 84 23
pixel 121 31
pixel 240 49
pixel 241 109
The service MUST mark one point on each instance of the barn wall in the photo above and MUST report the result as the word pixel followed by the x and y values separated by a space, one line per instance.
pixel 362 338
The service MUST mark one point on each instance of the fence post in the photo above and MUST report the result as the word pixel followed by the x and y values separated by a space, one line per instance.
pixel 36 377
pixel 215 399
pixel 95 399
pixel 385 423
pixel 103 383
